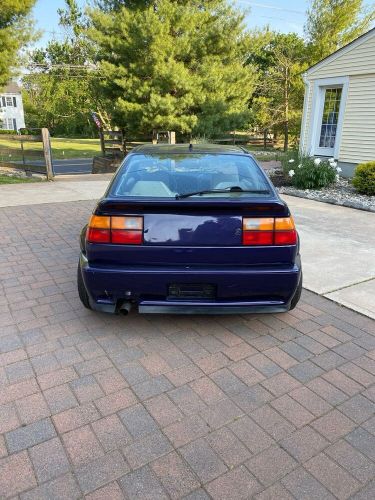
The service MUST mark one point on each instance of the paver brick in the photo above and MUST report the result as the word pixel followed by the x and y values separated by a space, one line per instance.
pixel 75 417
pixel 115 401
pixel 280 384
pixel 358 408
pixel 221 413
pixel 186 430
pixel 141 484
pixel 363 441
pixel 111 491
pixel 111 432
pixel 49 460
pixel 16 474
pixel 206 464
pixel 333 477
pixel 82 445
pixel 264 365
pixel 251 434
pixel 304 486
pixel 229 448
pixel 32 408
pixel 152 387
pixel 243 381
pixel 101 471
pixel 292 410
pixel 163 410
pixel 175 475
pixel 311 401
pixel 352 460
pixel 271 465
pixel 228 382
pixel 304 443
pixel 8 418
pixel 276 491
pixel 60 398
pixel 333 425
pixel 187 400
pixel 138 421
pixel 30 435
pixel 237 483
pixel 57 377
pixel 86 389
pixel 207 390
pixel 144 450
pixel 272 422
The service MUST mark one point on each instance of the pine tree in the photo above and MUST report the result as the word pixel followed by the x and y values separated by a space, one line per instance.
pixel 331 24
pixel 174 65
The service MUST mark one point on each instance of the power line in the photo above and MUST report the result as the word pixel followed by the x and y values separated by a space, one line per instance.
pixel 270 6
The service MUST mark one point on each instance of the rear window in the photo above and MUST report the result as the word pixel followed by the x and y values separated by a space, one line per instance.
pixel 165 176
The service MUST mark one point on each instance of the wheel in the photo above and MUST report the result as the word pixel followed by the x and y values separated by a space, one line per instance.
pixel 83 295
pixel 297 295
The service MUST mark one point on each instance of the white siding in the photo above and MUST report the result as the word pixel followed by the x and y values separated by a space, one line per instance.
pixel 357 61
pixel 358 131
pixel 357 143
pixel 11 112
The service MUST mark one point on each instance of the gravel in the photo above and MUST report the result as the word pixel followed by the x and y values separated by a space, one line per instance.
pixel 342 193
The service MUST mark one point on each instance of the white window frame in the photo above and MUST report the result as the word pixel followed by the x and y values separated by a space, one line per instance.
pixel 9 99
pixel 316 115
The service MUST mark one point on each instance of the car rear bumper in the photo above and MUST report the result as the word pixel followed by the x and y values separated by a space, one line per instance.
pixel 238 289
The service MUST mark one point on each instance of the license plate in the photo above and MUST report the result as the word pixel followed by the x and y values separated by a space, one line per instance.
pixel 191 291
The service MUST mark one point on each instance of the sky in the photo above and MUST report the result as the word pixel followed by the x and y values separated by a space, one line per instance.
pixel 281 15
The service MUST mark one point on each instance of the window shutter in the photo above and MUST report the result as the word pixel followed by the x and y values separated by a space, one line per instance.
pixel 14 102
pixel 14 122
pixel 4 102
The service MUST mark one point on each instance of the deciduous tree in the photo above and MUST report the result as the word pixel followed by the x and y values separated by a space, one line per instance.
pixel 334 23
pixel 15 32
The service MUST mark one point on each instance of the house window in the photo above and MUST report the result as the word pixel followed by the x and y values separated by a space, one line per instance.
pixel 9 124
pixel 9 101
pixel 330 117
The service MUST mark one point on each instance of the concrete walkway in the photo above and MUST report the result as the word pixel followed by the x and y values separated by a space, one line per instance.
pixel 337 243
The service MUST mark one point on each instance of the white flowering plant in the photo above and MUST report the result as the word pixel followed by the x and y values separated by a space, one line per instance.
pixel 306 172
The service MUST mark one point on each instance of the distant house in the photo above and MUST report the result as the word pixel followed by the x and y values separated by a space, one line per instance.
pixel 339 109
pixel 11 108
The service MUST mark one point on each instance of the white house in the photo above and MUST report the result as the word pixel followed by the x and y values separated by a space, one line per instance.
pixel 11 108
pixel 339 108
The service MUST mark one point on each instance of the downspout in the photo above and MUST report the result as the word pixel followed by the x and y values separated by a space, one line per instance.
pixel 302 145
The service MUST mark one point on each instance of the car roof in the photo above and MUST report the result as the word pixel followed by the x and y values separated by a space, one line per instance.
pixel 193 148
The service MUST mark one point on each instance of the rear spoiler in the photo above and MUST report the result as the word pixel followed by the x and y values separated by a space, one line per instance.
pixel 259 206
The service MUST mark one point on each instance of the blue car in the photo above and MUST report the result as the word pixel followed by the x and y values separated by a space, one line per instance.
pixel 190 229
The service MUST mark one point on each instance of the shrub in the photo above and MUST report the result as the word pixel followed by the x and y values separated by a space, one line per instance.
pixel 308 172
pixel 7 132
pixel 364 178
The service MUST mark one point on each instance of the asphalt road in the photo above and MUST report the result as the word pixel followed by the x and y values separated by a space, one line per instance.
pixel 70 166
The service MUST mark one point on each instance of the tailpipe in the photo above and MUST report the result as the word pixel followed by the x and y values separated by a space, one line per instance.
pixel 125 308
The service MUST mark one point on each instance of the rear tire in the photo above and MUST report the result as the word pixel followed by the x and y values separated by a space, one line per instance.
pixel 83 295
pixel 297 295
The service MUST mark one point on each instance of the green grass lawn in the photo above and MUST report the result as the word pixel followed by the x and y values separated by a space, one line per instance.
pixel 74 148
pixel 7 179
pixel 61 148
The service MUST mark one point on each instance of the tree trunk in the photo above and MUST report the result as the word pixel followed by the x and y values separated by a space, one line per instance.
pixel 265 139
pixel 286 136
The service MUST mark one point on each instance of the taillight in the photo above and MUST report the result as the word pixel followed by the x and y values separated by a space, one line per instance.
pixel 99 229
pixel 126 230
pixel 268 231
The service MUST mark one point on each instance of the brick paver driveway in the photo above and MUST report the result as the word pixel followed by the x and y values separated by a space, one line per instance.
pixel 150 407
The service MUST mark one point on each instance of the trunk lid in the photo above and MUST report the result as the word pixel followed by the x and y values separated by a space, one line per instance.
pixel 204 232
